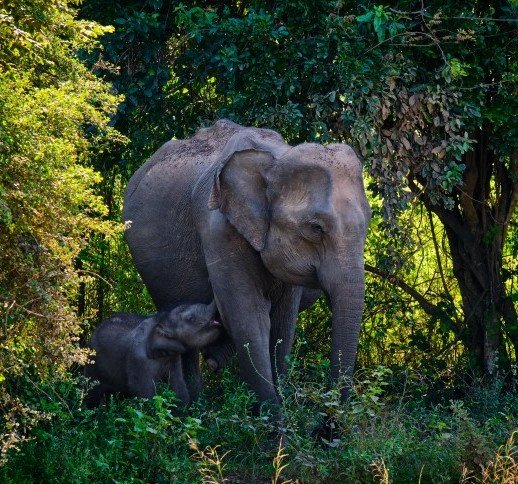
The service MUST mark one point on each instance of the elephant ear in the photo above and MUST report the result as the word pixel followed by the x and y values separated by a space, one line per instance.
pixel 239 189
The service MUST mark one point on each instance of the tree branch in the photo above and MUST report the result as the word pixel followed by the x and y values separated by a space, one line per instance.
pixel 467 194
pixel 508 313
pixel 426 305
pixel 452 220
pixel 437 253
pixel 510 175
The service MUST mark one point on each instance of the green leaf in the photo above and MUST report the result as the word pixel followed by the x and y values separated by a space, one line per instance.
pixel 365 18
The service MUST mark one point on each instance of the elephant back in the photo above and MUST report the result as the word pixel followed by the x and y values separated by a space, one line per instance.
pixel 160 219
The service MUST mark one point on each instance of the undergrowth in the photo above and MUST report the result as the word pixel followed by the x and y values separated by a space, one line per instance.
pixel 384 434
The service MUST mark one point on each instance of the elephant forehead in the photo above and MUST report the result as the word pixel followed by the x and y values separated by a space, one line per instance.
pixel 317 177
pixel 298 184
pixel 334 157
pixel 310 171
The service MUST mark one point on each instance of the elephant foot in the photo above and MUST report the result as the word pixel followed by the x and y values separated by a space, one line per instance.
pixel 275 437
pixel 96 396
pixel 274 444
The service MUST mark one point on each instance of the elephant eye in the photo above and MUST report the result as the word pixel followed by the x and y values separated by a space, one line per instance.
pixel 316 228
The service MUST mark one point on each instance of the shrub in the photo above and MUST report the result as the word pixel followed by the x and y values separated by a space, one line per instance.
pixel 398 437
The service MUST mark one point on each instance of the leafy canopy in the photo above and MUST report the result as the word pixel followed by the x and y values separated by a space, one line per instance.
pixel 55 114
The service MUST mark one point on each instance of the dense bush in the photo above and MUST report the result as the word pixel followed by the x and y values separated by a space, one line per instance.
pixel 55 114
pixel 380 436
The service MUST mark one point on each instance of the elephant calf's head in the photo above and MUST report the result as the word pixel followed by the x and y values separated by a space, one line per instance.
pixel 186 327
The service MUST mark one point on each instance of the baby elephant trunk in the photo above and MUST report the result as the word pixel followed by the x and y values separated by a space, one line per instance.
pixel 212 309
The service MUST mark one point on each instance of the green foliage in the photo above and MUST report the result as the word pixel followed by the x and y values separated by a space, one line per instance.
pixel 382 21
pixel 144 441
pixel 409 88
pixel 141 441
pixel 54 114
pixel 133 58
pixel 38 36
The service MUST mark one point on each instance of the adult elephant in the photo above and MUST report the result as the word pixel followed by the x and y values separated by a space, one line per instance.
pixel 238 213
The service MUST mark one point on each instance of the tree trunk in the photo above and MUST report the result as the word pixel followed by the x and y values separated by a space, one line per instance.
pixel 476 229
pixel 81 292
pixel 481 291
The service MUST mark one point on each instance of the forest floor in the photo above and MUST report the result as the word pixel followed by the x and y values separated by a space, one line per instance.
pixel 394 429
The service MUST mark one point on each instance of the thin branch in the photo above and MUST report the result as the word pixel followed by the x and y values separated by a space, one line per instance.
pixel 424 13
pixel 437 253
pixel 513 199
pixel 435 42
pixel 426 305
pixel 453 221
pixel 95 275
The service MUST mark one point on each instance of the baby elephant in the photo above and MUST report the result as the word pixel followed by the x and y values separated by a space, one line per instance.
pixel 135 352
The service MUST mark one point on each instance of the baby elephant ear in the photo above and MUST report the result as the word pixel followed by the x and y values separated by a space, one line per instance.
pixel 239 189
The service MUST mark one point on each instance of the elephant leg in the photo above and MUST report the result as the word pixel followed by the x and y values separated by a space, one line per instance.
pixel 247 318
pixel 191 373
pixel 142 375
pixel 283 317
pixel 240 283
pixel 146 389
pixel 219 354
pixel 176 380
pixel 252 348
pixel 95 395
pixel 309 297
pixel 142 385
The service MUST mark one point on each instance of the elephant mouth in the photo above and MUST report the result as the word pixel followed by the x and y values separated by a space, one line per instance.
pixel 305 280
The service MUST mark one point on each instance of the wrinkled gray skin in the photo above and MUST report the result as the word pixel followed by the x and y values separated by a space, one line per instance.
pixel 261 219
pixel 133 352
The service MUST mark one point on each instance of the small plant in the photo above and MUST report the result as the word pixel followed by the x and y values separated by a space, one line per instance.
pixel 210 463
pixel 278 464
pixel 14 425
pixel 380 471
pixel 382 21
pixel 367 391
pixel 503 468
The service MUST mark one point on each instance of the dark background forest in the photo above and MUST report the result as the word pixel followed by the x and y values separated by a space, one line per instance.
pixel 425 91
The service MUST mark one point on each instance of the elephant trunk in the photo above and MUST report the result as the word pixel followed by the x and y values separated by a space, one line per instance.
pixel 344 285
pixel 212 309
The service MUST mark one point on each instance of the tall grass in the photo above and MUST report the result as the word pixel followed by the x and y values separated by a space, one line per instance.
pixel 380 436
